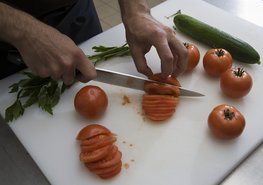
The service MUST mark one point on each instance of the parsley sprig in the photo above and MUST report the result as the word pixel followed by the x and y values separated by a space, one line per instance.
pixel 34 89
pixel 103 53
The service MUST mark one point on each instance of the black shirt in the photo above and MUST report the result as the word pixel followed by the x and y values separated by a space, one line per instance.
pixel 39 7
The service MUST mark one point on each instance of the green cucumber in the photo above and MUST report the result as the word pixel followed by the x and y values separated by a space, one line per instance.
pixel 213 37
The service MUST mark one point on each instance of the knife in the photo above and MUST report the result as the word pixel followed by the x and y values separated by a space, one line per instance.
pixel 134 82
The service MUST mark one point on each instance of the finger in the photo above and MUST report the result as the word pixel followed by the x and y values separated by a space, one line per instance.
pixel 69 76
pixel 140 62
pixel 166 57
pixel 180 53
pixel 86 69
pixel 56 73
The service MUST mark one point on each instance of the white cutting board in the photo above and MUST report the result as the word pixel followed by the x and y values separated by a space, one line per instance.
pixel 179 151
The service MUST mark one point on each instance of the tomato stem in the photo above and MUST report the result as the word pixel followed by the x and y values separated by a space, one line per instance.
pixel 228 114
pixel 220 52
pixel 186 45
pixel 239 71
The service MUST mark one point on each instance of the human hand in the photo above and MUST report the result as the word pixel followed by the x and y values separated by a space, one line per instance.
pixel 47 52
pixel 143 32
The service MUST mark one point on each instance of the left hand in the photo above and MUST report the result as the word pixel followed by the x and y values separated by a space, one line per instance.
pixel 143 32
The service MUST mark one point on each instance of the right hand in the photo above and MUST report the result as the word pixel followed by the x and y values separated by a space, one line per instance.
pixel 47 52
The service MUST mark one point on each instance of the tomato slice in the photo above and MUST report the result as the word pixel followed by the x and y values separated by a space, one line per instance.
pixel 154 88
pixel 92 131
pixel 159 100
pixel 112 173
pixel 96 142
pixel 159 107
pixel 170 79
pixel 112 159
pixel 107 170
pixel 95 155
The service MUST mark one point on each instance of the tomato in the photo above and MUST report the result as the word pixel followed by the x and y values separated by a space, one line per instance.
pixel 226 122
pixel 171 79
pixel 98 152
pixel 112 173
pixel 164 89
pixel 236 82
pixel 95 155
pixel 96 142
pixel 217 61
pixel 155 88
pixel 193 56
pixel 159 107
pixel 112 159
pixel 91 102
pixel 159 102
pixel 92 131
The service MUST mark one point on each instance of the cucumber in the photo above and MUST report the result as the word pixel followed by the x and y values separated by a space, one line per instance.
pixel 213 37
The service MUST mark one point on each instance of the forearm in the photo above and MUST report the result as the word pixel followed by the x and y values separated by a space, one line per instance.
pixel 15 24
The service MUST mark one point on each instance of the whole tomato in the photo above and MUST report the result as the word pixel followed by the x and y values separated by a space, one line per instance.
pixel 91 102
pixel 217 61
pixel 226 122
pixel 193 56
pixel 236 82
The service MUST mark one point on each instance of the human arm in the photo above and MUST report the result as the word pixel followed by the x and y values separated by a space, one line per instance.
pixel 46 51
pixel 143 32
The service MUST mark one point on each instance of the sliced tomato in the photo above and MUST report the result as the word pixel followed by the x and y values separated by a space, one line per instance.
pixel 155 88
pixel 92 131
pixel 95 155
pixel 111 160
pixel 170 79
pixel 159 107
pixel 112 173
pixel 97 142
pixel 110 169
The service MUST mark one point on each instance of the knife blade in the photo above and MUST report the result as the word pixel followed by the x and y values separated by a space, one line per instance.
pixel 134 82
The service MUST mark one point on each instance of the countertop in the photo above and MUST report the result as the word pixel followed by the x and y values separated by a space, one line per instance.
pixel 21 169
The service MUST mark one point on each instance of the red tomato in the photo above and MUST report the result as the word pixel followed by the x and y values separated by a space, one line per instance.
pixel 95 155
pixel 96 142
pixel 159 107
pixel 112 159
pixel 91 102
pixel 226 122
pixel 171 79
pixel 193 56
pixel 98 152
pixel 155 88
pixel 236 82
pixel 217 61
pixel 92 131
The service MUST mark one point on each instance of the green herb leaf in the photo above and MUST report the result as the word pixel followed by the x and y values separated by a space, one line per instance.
pixel 14 88
pixel 14 111
pixel 44 101
pixel 32 98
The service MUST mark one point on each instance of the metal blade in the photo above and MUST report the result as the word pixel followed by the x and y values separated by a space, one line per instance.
pixel 185 92
pixel 130 81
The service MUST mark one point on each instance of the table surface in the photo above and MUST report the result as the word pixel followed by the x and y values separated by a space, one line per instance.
pixel 17 167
